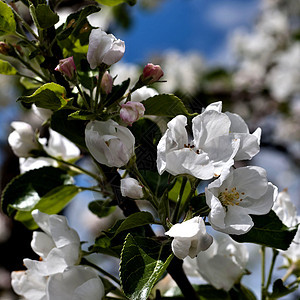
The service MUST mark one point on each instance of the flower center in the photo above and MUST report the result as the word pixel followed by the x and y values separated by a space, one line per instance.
pixel 192 147
pixel 230 197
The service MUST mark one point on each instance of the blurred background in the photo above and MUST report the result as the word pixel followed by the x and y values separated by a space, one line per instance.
pixel 244 53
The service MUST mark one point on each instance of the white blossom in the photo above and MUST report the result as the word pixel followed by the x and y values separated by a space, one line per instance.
pixel 58 245
pixel 223 263
pixel 285 209
pixel 75 283
pixel 131 188
pixel 190 238
pixel 104 48
pixel 23 139
pixel 57 146
pixel 235 195
pixel 143 94
pixel 109 143
pixel 56 275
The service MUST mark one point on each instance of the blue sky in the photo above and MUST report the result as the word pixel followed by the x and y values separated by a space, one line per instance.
pixel 187 25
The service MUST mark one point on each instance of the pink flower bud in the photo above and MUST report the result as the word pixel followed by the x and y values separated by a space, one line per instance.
pixel 106 83
pixel 151 73
pixel 131 112
pixel 67 67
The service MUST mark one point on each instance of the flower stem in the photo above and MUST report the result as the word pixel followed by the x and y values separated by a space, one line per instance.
pixel 176 211
pixel 275 254
pixel 82 96
pixel 194 185
pixel 100 75
pixel 288 273
pixel 31 68
pixel 263 261
pixel 81 170
pixel 24 23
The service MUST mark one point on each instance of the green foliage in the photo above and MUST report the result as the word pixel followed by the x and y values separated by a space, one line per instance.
pixel 280 290
pixel 52 203
pixel 76 23
pixel 117 92
pixel 135 220
pixel 82 115
pixel 6 68
pixel 50 95
pixel 165 105
pixel 101 208
pixel 45 17
pixel 116 2
pixel 71 129
pixel 142 264
pixel 147 135
pixel 268 231
pixel 7 20
pixel 28 191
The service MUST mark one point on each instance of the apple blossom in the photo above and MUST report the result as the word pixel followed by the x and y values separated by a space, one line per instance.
pixel 210 150
pixel 29 284
pixel 23 139
pixel 104 48
pixel 109 143
pixel 131 112
pixel 249 143
pixel 131 188
pixel 75 283
pixel 190 238
pixel 142 94
pixel 235 195
pixel 285 209
pixel 67 67
pixel 151 73
pixel 58 245
pixel 223 263
pixel 106 83
pixel 58 146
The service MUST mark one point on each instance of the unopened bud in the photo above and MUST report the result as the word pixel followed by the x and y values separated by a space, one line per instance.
pixel 4 48
pixel 67 67
pixel 131 112
pixel 151 73
pixel 106 83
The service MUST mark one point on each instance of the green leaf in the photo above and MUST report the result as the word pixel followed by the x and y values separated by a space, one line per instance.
pixel 82 115
pixel 208 292
pixel 45 16
pixel 101 208
pixel 71 129
pixel 268 231
pixel 147 135
pixel 240 292
pixel 7 20
pixel 165 105
pixel 25 191
pixel 50 95
pixel 280 290
pixel 157 183
pixel 52 203
pixel 29 84
pixel 174 192
pixel 6 68
pixel 141 266
pixel 116 2
pixel 135 220
pixel 76 22
pixel 117 92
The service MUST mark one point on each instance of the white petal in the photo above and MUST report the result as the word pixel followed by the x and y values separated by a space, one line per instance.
pixel 29 285
pixel 74 283
pixel 42 244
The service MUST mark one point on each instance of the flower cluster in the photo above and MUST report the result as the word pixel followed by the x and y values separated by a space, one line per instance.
pixel 57 275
